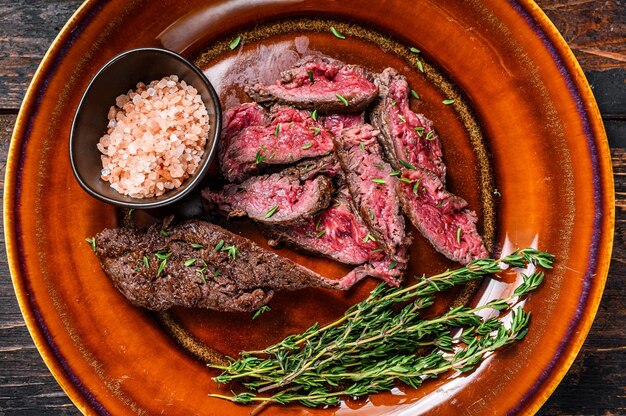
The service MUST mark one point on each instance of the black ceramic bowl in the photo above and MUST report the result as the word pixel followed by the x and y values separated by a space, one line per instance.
pixel 119 75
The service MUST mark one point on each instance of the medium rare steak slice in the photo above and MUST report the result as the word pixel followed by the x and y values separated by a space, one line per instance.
pixel 441 217
pixel 373 189
pixel 274 199
pixel 291 135
pixel 235 121
pixel 336 233
pixel 320 83
pixel 198 264
pixel 406 136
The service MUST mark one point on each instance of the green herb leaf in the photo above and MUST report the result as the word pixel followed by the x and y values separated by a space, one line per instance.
pixel 379 181
pixel 146 262
pixel 189 262
pixel 362 146
pixel 311 80
pixel 448 101
pixel 271 211
pixel 406 164
pixel 405 180
pixel 416 187
pixel 321 233
pixel 420 66
pixel 393 103
pixel 261 311
pixel 381 167
pixel 307 145
pixel 232 251
pixel 277 130
pixel 196 245
pixel 219 245
pixel 336 33
pixel 164 233
pixel 392 265
pixel 216 272
pixel 414 94
pixel 369 237
pixel 234 43
pixel 414 50
pixel 314 115
pixel 430 136
pixel 259 158
pixel 401 117
pixel 315 129
pixel 458 235
pixel 92 243
pixel 342 99
pixel 395 173
pixel 419 130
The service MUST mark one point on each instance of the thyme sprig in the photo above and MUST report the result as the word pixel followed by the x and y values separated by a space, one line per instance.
pixel 374 344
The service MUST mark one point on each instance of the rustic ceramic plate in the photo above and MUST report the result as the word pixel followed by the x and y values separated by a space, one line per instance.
pixel 524 144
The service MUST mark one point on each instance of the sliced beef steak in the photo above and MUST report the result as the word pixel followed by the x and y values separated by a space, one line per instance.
pixel 322 84
pixel 441 217
pixel 228 273
pixel 336 233
pixel 291 135
pixel 372 188
pixel 274 199
pixel 235 121
pixel 406 136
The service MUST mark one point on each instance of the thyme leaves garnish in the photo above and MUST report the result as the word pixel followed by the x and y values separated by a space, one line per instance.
pixel 373 346
pixel 336 33
pixel 379 181
pixel 92 243
pixel 342 99
pixel 261 311
pixel 271 211
pixel 234 43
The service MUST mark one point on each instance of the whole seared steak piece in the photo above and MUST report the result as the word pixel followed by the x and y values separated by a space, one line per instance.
pixel 441 217
pixel 235 121
pixel 322 84
pixel 227 273
pixel 280 198
pixel 406 136
pixel 289 136
pixel 373 189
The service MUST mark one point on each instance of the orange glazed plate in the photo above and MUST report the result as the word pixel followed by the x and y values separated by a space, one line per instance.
pixel 523 142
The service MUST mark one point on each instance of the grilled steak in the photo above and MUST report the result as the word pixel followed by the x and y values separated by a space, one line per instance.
pixel 320 83
pixel 235 121
pixel 274 199
pixel 373 189
pixel 406 136
pixel 441 217
pixel 336 233
pixel 310 168
pixel 340 234
pixel 290 136
pixel 230 273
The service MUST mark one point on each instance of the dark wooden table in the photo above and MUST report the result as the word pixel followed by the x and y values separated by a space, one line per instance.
pixel 596 32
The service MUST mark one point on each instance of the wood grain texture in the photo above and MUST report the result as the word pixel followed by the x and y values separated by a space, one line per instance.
pixel 596 31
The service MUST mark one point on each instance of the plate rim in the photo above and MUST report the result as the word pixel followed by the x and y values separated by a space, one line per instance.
pixel 543 26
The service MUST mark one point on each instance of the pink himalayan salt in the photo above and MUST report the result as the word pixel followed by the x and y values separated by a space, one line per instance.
pixel 155 138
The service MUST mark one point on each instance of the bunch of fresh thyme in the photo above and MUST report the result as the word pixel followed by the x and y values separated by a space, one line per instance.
pixel 374 344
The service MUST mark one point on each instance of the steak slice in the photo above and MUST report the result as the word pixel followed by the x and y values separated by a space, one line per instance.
pixel 289 136
pixel 373 189
pixel 230 273
pixel 336 233
pixel 318 83
pixel 235 121
pixel 274 199
pixel 339 234
pixel 441 217
pixel 406 136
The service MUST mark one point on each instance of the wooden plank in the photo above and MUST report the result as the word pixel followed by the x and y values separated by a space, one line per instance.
pixel 609 89
pixel 26 30
pixel 595 30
